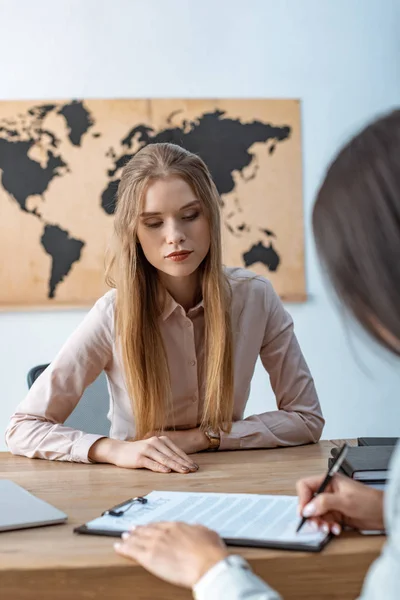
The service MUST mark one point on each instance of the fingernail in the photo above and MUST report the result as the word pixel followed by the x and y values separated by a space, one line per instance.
pixel 132 528
pixel 325 528
pixel 125 535
pixel 313 526
pixel 185 469
pixel 309 509
pixel 336 529
pixel 117 545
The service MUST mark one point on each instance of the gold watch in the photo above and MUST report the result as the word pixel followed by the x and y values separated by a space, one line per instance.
pixel 214 439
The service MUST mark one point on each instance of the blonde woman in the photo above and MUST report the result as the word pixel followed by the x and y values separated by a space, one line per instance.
pixel 178 338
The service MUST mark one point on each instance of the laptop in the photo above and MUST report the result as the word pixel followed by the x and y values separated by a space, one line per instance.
pixel 19 509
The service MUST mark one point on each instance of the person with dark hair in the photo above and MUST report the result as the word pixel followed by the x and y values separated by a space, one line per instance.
pixel 356 222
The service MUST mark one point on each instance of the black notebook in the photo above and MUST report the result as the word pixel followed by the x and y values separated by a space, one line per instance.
pixel 377 441
pixel 367 463
pixel 240 519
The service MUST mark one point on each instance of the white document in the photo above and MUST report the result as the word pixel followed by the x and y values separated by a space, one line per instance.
pixel 260 518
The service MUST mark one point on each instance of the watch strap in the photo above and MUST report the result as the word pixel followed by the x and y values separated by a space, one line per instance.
pixel 213 438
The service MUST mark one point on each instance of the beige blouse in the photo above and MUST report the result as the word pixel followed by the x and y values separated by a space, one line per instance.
pixel 261 327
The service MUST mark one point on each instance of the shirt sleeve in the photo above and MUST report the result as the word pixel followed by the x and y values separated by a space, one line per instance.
pixel 35 429
pixel 298 419
pixel 233 582
pixel 383 577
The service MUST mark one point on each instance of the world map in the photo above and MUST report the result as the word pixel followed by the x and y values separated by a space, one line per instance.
pixel 32 157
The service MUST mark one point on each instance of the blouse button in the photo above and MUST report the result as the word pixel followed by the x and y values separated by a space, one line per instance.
pixel 192 363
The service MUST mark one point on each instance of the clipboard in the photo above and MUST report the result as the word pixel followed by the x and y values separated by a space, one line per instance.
pixel 189 507
pixel 115 511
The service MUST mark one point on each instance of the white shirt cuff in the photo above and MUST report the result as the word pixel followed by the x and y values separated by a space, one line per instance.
pixel 207 580
pixel 203 586
pixel 232 578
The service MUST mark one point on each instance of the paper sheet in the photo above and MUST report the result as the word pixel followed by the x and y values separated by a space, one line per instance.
pixel 243 516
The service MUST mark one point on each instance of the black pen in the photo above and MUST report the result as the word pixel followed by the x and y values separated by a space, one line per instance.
pixel 337 463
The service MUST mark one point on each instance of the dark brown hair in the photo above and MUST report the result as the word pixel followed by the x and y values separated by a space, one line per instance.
pixel 356 222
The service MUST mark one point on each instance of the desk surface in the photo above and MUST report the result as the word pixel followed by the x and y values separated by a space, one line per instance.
pixel 36 562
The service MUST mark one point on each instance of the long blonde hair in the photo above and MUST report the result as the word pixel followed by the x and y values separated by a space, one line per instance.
pixel 139 303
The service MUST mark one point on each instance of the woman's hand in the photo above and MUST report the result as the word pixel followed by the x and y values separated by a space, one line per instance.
pixel 344 501
pixel 178 553
pixel 188 440
pixel 158 454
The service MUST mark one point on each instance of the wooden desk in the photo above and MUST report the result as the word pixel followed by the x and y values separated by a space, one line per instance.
pixel 52 562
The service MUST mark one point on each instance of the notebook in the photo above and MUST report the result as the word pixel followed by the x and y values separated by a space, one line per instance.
pixel 367 463
pixel 19 509
pixel 240 519
pixel 377 441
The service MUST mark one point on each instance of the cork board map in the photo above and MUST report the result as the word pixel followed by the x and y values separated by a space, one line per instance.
pixel 60 163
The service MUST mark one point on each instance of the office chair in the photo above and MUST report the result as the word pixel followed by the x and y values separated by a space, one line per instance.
pixel 90 415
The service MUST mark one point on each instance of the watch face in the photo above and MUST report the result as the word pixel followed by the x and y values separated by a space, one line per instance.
pixel 214 440
pixel 213 435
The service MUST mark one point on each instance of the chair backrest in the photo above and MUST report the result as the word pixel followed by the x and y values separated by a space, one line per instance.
pixel 90 415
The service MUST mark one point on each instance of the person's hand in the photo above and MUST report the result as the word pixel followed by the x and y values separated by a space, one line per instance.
pixel 155 453
pixel 344 502
pixel 188 440
pixel 178 553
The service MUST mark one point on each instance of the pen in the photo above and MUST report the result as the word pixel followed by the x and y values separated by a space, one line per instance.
pixel 337 463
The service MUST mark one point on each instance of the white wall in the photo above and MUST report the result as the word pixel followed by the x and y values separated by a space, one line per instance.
pixel 340 57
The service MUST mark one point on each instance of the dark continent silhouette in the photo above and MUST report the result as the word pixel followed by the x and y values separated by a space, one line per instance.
pixel 23 177
pixel 63 250
pixel 78 119
pixel 222 143
pixel 263 254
